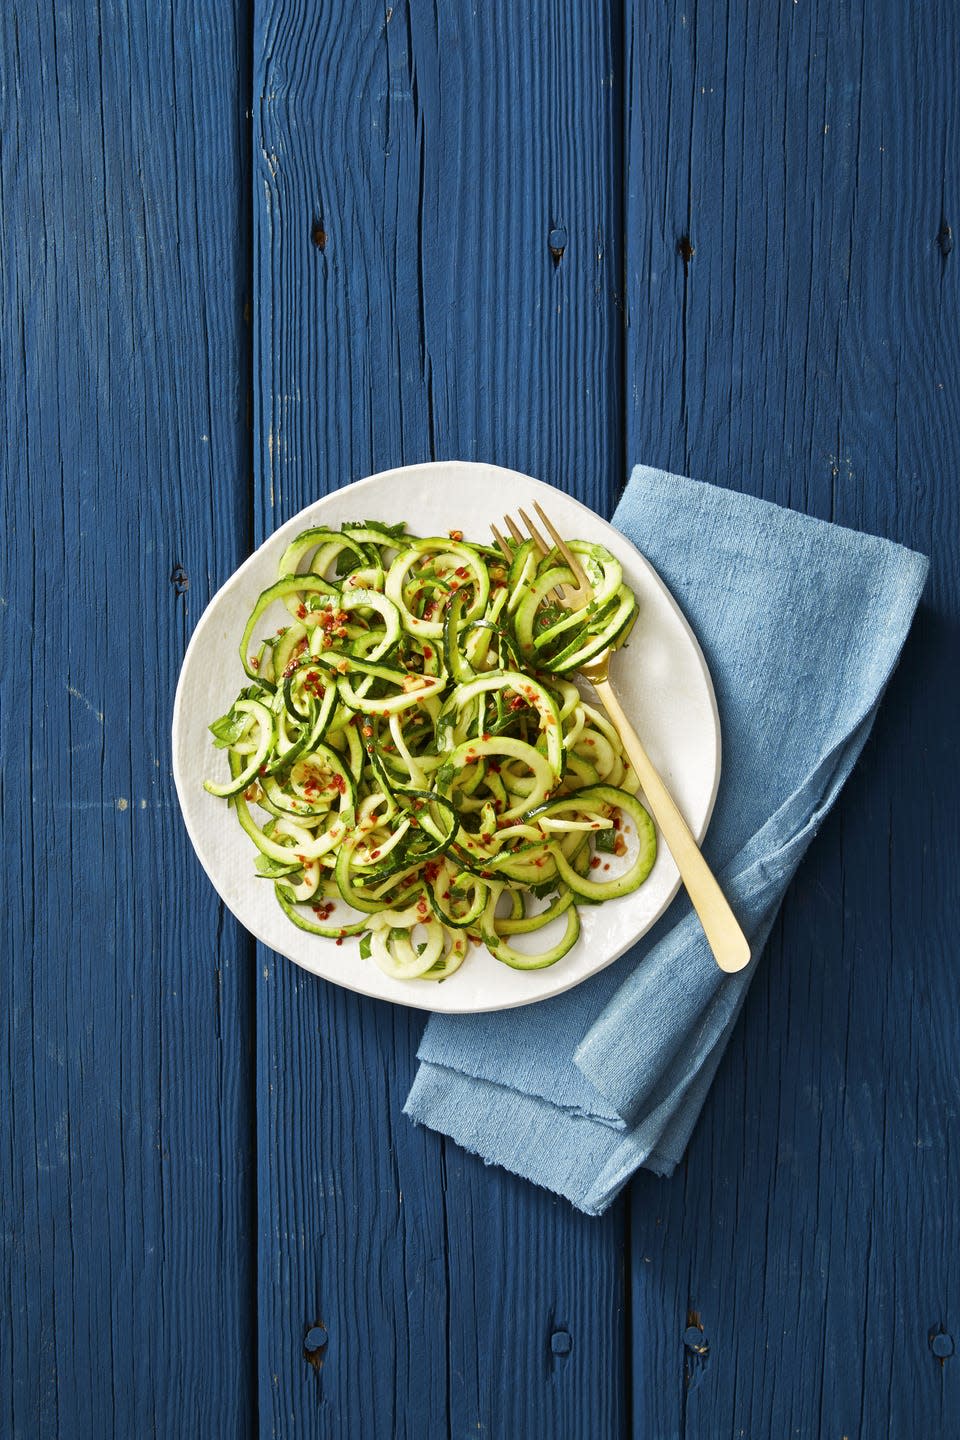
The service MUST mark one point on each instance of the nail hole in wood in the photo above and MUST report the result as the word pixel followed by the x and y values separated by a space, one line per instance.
pixel 941 1343
pixel 686 251
pixel 557 241
pixel 945 239
pixel 315 1344
pixel 179 579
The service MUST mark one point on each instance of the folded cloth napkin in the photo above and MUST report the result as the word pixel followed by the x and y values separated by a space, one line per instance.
pixel 801 623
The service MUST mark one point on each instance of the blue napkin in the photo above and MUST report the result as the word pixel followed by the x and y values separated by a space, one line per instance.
pixel 801 623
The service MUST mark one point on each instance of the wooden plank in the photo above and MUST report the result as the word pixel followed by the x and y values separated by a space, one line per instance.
pixel 125 1198
pixel 806 350
pixel 437 256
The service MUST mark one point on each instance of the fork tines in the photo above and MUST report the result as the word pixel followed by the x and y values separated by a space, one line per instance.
pixel 571 558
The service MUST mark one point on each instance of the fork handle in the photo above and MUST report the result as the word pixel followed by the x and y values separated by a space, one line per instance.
pixel 726 939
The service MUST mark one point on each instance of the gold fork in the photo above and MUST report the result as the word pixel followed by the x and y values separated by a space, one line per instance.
pixel 726 939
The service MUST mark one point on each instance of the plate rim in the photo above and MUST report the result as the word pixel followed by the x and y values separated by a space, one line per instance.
pixel 297 521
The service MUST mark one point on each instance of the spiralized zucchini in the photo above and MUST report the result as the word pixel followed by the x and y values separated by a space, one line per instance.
pixel 410 759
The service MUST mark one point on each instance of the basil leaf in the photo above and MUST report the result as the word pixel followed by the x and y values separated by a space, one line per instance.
pixel 227 730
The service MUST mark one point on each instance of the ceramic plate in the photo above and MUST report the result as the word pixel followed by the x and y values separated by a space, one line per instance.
pixel 661 676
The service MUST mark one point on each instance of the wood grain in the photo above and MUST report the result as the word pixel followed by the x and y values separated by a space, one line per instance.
pixel 125 1198
pixel 437 257
pixel 559 237
pixel 791 302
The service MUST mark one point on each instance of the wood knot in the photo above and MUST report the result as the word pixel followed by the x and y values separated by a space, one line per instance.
pixel 945 239
pixel 318 235
pixel 686 251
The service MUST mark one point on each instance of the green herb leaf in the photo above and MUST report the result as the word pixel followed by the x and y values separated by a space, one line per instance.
pixel 549 615
pixel 378 526
pixel 267 866
pixel 228 729
pixel 366 945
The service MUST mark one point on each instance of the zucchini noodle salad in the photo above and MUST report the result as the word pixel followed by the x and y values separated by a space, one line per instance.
pixel 412 760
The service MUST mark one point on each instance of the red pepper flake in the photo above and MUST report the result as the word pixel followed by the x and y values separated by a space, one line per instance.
pixel 619 846
pixel 493 766
pixel 340 940
pixel 340 784
pixel 427 653
pixel 462 571
pixel 455 535
pixel 301 611
pixel 595 862
pixel 431 870
pixel 606 866
pixel 254 662
pixel 374 854
pixel 516 703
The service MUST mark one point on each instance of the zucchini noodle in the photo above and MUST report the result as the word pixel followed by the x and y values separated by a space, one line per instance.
pixel 410 759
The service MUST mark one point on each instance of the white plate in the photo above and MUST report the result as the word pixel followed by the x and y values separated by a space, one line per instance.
pixel 661 677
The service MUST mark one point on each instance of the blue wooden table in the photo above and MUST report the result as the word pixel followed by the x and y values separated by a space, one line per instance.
pixel 250 252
